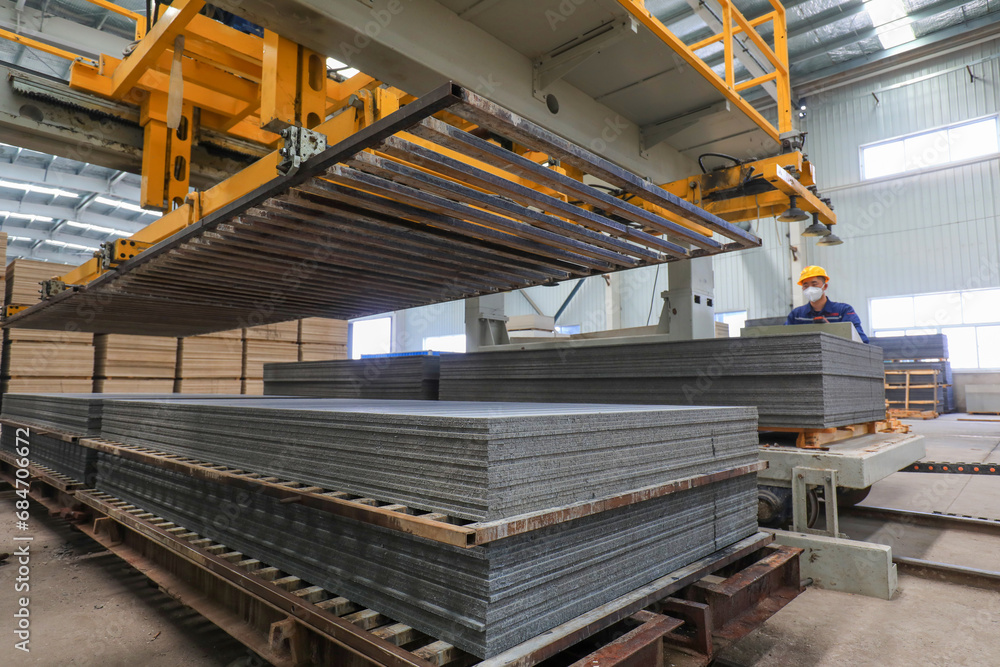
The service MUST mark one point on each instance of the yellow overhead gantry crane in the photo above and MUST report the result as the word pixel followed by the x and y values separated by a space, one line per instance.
pixel 190 71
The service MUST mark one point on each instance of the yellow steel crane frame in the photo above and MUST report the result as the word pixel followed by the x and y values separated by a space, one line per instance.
pixel 253 87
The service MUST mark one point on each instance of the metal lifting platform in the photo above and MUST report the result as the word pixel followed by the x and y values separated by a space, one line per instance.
pixel 844 470
pixel 366 199
pixel 350 230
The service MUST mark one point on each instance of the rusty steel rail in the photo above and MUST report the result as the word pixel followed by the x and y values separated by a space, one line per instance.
pixel 408 211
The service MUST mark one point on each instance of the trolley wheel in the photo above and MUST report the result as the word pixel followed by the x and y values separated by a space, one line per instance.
pixel 851 497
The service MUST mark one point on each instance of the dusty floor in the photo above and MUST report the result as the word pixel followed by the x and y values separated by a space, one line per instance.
pixel 89 608
pixel 928 622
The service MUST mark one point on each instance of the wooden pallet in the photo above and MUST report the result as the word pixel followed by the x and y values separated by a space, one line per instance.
pixel 819 438
pixel 905 406
pixel 291 623
pixel 899 413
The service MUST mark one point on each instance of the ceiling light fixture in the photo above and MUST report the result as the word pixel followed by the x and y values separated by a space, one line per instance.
pixel 25 216
pixel 37 188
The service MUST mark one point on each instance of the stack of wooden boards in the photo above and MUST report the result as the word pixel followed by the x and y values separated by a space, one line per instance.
pixel 476 463
pixel 268 344
pixel 210 364
pixel 321 339
pixel 41 360
pixel 134 364
pixel 227 362
pixel 918 378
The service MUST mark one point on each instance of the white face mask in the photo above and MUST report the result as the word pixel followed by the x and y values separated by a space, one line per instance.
pixel 813 293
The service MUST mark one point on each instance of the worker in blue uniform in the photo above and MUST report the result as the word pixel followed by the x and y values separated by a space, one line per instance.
pixel 820 309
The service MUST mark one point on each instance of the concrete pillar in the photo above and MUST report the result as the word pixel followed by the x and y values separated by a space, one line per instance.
pixel 485 322
pixel 689 304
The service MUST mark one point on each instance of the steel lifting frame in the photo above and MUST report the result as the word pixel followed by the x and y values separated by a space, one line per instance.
pixel 757 189
pixel 733 24
pixel 250 87
pixel 243 85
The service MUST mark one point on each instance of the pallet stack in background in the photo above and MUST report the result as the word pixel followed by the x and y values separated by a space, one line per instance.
pixel 210 364
pixel 918 379
pixel 267 344
pixel 321 339
pixel 36 360
pixel 134 364
pixel 227 362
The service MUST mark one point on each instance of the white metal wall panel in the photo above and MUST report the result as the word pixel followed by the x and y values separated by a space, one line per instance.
pixel 925 232
pixel 920 233
pixel 415 324
pixel 756 280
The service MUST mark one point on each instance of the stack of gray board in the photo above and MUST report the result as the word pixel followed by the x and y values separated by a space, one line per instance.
pixel 406 378
pixel 895 348
pixel 69 458
pixel 811 380
pixel 483 600
pixel 944 395
pixel 79 414
pixel 766 322
pixel 474 461
pixel 906 353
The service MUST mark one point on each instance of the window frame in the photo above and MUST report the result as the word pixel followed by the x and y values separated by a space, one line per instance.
pixel 901 139
pixel 937 328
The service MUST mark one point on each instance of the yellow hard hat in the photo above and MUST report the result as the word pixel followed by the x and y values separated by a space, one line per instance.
pixel 812 272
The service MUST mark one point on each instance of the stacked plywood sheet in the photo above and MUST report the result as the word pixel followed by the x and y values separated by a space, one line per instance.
pixel 472 461
pixel 37 360
pixel 23 277
pixel 211 364
pixel 401 377
pixel 3 259
pixel 134 364
pixel 321 339
pixel 268 344
pixel 798 381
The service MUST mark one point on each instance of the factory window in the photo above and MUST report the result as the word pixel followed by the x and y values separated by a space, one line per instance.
pixel 955 143
pixel 454 343
pixel 736 320
pixel 970 319
pixel 371 337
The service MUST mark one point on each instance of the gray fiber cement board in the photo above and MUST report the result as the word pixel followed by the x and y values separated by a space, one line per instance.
pixel 812 380
pixel 485 599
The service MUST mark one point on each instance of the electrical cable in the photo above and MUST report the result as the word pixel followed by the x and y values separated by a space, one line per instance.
pixel 701 157
pixel 652 298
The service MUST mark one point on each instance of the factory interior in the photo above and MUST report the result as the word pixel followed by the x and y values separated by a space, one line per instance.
pixel 500 333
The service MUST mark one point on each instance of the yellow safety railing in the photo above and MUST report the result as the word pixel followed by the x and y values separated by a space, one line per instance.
pixel 734 24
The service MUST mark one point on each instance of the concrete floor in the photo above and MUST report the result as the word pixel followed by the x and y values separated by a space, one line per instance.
pixel 928 622
pixel 88 608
